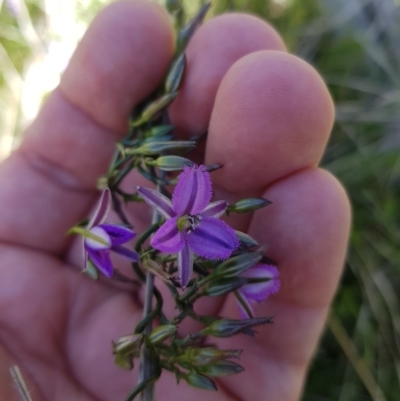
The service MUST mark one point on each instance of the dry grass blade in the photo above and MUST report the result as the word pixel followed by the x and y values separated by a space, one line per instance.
pixel 20 383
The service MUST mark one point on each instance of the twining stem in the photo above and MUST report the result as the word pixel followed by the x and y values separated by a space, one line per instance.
pixel 145 372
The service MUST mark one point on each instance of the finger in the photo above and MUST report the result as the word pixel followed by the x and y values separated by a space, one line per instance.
pixel 307 227
pixel 215 47
pixel 272 116
pixel 49 183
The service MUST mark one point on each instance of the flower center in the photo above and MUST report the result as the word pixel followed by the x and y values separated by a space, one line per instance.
pixel 189 222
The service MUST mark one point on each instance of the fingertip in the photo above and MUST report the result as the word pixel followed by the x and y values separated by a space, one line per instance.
pixel 122 58
pixel 308 227
pixel 218 44
pixel 272 116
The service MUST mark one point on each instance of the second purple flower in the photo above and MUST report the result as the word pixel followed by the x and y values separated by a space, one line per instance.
pixel 192 225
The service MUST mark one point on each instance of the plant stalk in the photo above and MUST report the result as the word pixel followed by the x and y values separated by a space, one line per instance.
pixel 145 371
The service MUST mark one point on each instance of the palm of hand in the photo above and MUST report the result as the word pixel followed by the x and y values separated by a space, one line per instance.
pixel 268 125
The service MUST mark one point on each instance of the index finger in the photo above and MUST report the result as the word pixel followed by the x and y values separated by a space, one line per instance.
pixel 49 183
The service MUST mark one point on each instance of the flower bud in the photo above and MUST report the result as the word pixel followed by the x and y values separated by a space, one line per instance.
pixel 128 345
pixel 231 327
pixel 208 355
pixel 124 362
pixel 200 381
pixel 160 130
pixel 249 205
pixel 238 264
pixel 186 33
pixel 170 163
pixel 222 368
pixel 175 75
pixel 246 241
pixel 155 148
pixel 224 285
pixel 153 108
pixel 161 333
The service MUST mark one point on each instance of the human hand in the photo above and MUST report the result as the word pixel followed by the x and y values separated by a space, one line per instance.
pixel 269 117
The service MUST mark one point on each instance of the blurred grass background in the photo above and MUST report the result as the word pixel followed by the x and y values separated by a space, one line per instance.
pixel 355 44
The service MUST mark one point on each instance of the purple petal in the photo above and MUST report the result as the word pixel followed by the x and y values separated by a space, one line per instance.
pixel 185 265
pixel 157 201
pixel 212 239
pixel 103 207
pixel 101 259
pixel 261 291
pixel 97 245
pixel 193 191
pixel 128 253
pixel 215 209
pixel 118 234
pixel 168 238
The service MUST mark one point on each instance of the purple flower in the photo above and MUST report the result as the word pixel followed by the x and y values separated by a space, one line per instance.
pixel 100 238
pixel 192 225
pixel 259 291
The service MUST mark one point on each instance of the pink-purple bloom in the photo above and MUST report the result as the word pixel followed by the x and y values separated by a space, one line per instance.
pixel 269 283
pixel 192 226
pixel 103 238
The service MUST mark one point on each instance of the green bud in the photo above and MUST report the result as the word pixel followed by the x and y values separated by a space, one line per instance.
pixel 128 345
pixel 155 148
pixel 170 163
pixel 245 240
pixel 175 75
pixel 230 327
pixel 153 108
pixel 209 355
pixel 200 381
pixel 238 264
pixel 186 33
pixel 222 368
pixel 160 130
pixel 161 333
pixel 249 205
pixel 124 362
pixel 224 286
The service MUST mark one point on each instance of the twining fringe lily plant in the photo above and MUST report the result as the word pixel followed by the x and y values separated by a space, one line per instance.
pixel 188 245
